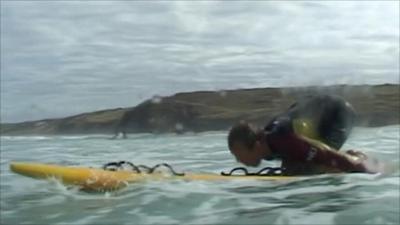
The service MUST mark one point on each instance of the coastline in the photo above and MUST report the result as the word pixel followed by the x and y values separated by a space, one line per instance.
pixel 376 105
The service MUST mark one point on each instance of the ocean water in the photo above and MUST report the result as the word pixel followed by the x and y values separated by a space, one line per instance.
pixel 323 199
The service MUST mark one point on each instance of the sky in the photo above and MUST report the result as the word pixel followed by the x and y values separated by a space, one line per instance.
pixel 61 58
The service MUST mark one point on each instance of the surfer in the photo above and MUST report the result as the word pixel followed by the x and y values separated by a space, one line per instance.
pixel 307 138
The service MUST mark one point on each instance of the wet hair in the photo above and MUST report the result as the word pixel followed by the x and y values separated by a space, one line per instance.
pixel 243 133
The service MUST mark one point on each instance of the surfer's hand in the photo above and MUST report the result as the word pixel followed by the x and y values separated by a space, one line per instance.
pixel 358 154
pixel 369 164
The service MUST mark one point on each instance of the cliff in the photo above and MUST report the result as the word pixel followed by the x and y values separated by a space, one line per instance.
pixel 377 105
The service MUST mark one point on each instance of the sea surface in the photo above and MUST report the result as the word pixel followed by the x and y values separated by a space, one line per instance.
pixel 323 199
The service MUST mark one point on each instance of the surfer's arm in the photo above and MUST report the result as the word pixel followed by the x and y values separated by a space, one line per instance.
pixel 322 154
pixel 303 150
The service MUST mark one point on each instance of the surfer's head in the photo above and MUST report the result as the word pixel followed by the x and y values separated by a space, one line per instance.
pixel 247 144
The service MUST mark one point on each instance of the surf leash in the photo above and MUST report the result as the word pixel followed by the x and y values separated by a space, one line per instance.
pixel 120 165
pixel 266 171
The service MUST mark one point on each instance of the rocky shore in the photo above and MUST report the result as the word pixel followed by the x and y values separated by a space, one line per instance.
pixel 376 105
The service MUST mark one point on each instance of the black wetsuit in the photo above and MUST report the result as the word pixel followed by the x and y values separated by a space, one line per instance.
pixel 333 119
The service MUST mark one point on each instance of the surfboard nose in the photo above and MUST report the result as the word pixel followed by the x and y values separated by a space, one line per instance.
pixel 14 166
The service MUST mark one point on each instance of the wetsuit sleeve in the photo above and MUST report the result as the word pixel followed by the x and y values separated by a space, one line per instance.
pixel 298 149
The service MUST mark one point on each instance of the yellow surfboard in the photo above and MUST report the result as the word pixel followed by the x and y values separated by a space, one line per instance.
pixel 91 179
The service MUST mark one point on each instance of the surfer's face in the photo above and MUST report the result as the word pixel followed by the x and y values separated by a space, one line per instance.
pixel 249 157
